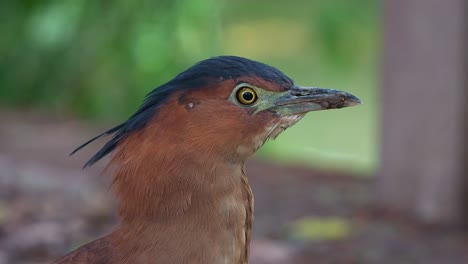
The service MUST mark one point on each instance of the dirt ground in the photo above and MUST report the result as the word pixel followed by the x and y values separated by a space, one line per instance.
pixel 48 206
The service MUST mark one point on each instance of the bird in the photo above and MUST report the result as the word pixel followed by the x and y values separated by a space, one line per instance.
pixel 178 162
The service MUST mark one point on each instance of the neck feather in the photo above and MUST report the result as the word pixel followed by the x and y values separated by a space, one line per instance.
pixel 158 181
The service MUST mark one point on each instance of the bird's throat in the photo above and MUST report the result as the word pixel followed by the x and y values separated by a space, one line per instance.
pixel 162 187
pixel 212 201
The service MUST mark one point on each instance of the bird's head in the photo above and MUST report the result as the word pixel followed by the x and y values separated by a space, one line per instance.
pixel 193 131
pixel 224 107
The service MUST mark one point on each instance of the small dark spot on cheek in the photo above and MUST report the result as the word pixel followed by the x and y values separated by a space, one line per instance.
pixel 187 102
pixel 191 105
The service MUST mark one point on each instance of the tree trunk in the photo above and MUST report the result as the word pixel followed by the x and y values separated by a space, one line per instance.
pixel 425 101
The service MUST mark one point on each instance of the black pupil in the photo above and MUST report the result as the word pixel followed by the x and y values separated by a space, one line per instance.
pixel 247 96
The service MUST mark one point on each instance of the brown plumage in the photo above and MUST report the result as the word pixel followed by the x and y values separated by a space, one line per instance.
pixel 178 163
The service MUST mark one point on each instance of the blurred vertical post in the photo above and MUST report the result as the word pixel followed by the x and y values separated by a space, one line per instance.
pixel 424 168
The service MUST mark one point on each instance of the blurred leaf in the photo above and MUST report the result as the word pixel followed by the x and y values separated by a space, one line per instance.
pixel 315 228
pixel 99 60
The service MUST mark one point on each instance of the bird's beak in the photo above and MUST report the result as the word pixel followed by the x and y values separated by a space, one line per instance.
pixel 300 100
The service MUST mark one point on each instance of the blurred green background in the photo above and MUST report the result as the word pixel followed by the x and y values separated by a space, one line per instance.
pixel 95 60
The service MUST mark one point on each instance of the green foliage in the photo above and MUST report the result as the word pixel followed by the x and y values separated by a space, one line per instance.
pixel 337 33
pixel 325 43
pixel 99 58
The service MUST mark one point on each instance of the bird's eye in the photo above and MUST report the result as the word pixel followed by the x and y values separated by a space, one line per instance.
pixel 246 96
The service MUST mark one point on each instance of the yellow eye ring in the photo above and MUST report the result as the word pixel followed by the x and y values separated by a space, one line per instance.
pixel 246 96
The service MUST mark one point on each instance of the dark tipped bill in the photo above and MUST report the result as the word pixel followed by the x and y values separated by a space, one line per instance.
pixel 300 100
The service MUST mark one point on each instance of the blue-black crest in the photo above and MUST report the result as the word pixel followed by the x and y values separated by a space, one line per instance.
pixel 217 68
